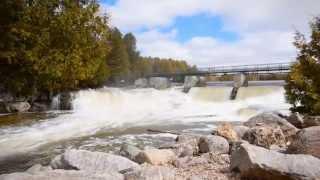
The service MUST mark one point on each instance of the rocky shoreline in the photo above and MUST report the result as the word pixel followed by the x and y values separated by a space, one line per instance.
pixel 267 146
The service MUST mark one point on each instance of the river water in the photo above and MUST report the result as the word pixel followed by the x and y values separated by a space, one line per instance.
pixel 103 119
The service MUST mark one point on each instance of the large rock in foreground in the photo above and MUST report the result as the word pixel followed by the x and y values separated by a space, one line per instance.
pixel 92 161
pixel 259 163
pixel 214 144
pixel 156 156
pixel 307 141
pixel 265 136
pixel 60 174
pixel 129 151
pixel 187 145
pixel 273 120
pixel 227 131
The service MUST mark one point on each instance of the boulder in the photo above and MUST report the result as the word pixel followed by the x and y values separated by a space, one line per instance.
pixel 187 145
pixel 141 83
pixel 18 107
pixel 58 163
pixel 255 162
pixel 273 120
pixel 310 121
pixel 92 161
pixel 38 167
pixel 266 136
pixel 156 156
pixel 307 141
pixel 129 151
pixel 240 130
pixel 159 82
pixel 189 82
pixel 214 144
pixel 296 119
pixel 60 174
pixel 151 173
pixel 226 130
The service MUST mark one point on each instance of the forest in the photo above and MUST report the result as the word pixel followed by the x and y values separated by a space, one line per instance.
pixel 52 46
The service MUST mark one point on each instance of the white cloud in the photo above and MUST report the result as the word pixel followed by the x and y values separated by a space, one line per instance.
pixel 261 47
pixel 265 28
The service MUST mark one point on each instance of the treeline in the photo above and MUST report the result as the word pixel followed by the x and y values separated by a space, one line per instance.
pixel 60 45
pixel 126 63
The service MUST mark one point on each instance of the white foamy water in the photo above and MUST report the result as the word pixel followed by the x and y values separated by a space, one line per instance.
pixel 106 108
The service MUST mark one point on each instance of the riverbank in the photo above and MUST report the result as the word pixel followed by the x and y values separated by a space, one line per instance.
pixel 267 146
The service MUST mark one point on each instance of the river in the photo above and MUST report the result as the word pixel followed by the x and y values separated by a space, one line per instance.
pixel 103 119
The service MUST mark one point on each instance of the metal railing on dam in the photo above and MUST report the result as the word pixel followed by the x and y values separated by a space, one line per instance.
pixel 253 68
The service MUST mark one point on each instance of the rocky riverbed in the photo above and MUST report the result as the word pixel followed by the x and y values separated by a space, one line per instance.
pixel 267 146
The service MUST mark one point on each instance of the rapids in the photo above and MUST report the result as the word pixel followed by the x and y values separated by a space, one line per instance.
pixel 106 114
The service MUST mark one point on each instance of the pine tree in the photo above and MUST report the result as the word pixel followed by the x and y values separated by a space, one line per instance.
pixel 118 60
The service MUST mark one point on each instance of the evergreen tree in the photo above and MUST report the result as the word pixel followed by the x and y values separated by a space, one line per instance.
pixel 117 60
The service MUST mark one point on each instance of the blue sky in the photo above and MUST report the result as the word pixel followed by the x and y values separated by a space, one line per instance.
pixel 214 32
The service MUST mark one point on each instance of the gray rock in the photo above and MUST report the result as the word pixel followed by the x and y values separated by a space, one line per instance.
pixel 255 162
pixel 227 131
pixel 60 174
pixel 141 83
pixel 273 120
pixel 59 163
pixel 92 161
pixel 240 130
pixel 159 82
pixel 266 136
pixel 187 138
pixel 215 144
pixel 38 167
pixel 156 156
pixel 151 173
pixel 307 141
pixel 187 145
pixel 129 151
pixel 18 106
pixel 310 121
pixel 296 119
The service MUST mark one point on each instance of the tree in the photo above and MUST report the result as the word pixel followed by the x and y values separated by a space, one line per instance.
pixel 52 45
pixel 303 83
pixel 133 55
pixel 118 60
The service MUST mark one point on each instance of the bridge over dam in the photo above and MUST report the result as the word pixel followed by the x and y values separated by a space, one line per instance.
pixel 240 73
pixel 235 76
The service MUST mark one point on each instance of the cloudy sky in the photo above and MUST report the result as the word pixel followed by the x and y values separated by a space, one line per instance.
pixel 214 32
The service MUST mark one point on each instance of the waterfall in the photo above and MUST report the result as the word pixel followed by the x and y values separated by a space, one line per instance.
pixel 112 108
